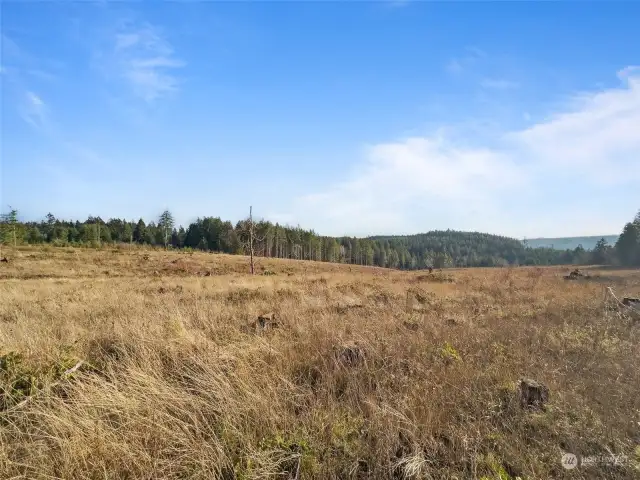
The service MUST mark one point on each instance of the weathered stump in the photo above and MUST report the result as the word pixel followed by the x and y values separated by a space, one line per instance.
pixel 264 322
pixel 267 321
pixel 350 355
pixel 533 395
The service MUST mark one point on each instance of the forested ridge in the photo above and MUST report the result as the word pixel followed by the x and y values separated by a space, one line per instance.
pixel 438 249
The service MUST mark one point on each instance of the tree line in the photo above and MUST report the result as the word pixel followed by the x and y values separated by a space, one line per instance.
pixel 437 249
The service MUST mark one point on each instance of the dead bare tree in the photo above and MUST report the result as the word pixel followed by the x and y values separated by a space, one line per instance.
pixel 252 239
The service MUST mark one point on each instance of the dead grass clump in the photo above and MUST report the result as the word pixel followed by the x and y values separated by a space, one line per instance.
pixel 175 289
pixel 288 294
pixel 347 307
pixel 21 379
pixel 436 277
pixel 413 326
pixel 112 350
pixel 245 295
pixel 307 376
pixel 381 297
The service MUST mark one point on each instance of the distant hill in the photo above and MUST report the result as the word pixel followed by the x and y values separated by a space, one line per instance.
pixel 569 243
pixel 465 249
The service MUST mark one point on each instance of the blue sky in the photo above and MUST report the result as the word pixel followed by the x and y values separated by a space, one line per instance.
pixel 353 118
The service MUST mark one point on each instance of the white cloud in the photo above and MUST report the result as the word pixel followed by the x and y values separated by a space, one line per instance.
pixel 146 61
pixel 597 137
pixel 523 182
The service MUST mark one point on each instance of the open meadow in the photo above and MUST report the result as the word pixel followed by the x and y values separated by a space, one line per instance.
pixel 147 364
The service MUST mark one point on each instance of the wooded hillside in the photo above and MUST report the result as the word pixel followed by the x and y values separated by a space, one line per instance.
pixel 438 249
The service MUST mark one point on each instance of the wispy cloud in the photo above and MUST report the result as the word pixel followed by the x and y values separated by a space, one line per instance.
pixel 458 65
pixel 454 66
pixel 42 74
pixel 440 181
pixel 86 155
pixel 476 66
pixel 10 48
pixel 21 72
pixel 22 65
pixel 33 110
pixel 37 113
pixel 146 61
pixel 498 83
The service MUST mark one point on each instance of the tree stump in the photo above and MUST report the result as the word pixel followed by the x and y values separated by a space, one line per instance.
pixel 350 355
pixel 266 321
pixel 533 395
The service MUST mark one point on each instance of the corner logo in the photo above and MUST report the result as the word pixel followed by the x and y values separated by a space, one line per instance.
pixel 569 461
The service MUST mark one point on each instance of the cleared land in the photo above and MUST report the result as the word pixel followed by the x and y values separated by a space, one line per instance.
pixel 362 372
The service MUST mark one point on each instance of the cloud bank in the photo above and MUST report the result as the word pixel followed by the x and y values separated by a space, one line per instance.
pixel 575 158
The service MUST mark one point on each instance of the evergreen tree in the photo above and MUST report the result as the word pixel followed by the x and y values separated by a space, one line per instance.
pixel 202 244
pixel 127 233
pixel 89 233
pixel 34 235
pixel 382 259
pixel 165 225
pixel 10 227
pixel 628 244
pixel 51 221
pixel 601 253
pixel 152 235
pixel 140 232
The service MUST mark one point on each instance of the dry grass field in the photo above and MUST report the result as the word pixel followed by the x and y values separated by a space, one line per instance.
pixel 360 373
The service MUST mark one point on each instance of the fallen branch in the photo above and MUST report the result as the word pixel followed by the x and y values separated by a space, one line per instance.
pixel 297 474
pixel 73 369
pixel 622 304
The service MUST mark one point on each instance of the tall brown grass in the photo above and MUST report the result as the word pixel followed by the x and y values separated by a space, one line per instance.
pixel 370 374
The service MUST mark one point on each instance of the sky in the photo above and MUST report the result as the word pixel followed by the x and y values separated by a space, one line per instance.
pixel 348 118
